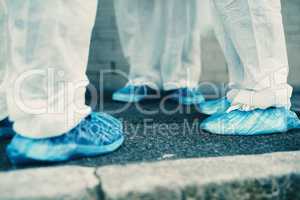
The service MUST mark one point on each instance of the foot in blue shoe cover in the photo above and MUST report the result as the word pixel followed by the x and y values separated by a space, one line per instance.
pixel 6 129
pixel 256 122
pixel 188 96
pixel 97 134
pixel 214 106
pixel 134 94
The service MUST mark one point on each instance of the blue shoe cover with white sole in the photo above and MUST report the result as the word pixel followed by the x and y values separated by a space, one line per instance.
pixel 188 96
pixel 134 94
pixel 97 134
pixel 214 106
pixel 6 129
pixel 256 122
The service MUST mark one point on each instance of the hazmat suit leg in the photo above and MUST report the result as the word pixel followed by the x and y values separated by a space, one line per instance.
pixel 3 59
pixel 45 82
pixel 141 30
pixel 181 55
pixel 47 59
pixel 256 31
pixel 234 63
pixel 161 40
pixel 6 130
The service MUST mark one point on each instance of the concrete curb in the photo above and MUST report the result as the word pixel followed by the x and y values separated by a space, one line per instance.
pixel 268 176
pixel 49 183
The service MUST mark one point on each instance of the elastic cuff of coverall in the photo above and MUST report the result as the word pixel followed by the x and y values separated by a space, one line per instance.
pixel 49 125
pixel 141 81
pixel 261 99
pixel 179 84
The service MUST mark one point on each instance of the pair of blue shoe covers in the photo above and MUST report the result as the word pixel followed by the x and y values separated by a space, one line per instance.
pixel 246 123
pixel 236 122
pixel 255 122
pixel 134 94
pixel 97 134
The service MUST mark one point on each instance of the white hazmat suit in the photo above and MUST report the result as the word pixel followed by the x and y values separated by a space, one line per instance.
pixel 161 40
pixel 43 63
pixel 252 37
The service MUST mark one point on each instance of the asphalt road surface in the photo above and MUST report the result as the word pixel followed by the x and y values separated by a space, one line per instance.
pixel 159 131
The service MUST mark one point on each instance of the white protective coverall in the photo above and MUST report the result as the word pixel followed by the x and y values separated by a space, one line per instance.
pixel 252 37
pixel 44 47
pixel 161 41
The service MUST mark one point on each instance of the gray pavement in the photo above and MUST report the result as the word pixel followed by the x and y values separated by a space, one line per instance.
pixel 170 136
pixel 274 176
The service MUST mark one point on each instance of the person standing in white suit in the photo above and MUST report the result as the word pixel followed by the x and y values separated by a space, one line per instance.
pixel 251 35
pixel 161 41
pixel 44 49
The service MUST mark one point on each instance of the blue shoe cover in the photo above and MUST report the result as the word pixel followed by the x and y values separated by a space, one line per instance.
pixel 256 122
pixel 187 96
pixel 214 106
pixel 97 134
pixel 6 129
pixel 133 94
